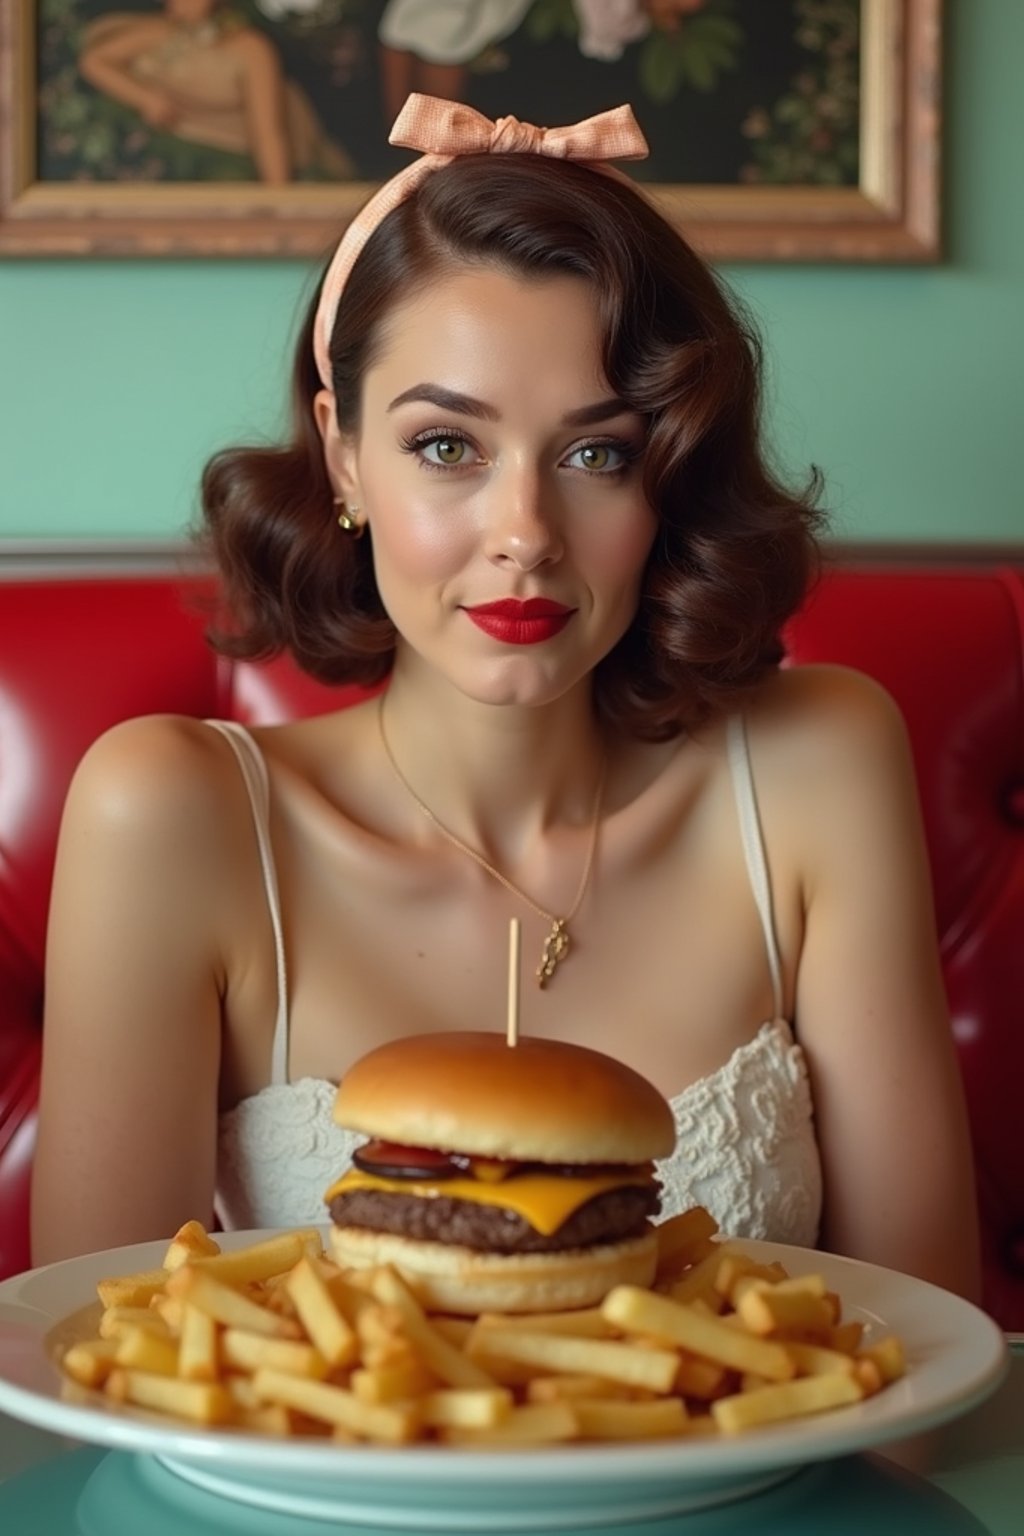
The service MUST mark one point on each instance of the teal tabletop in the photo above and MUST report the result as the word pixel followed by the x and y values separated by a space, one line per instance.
pixel 965 1479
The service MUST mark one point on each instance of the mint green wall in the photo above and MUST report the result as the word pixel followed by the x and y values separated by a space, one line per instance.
pixel 905 385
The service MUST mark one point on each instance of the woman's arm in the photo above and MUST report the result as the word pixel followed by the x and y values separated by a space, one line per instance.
pixel 870 1006
pixel 105 66
pixel 264 105
pixel 134 976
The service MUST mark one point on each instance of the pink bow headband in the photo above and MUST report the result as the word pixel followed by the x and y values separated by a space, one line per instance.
pixel 443 130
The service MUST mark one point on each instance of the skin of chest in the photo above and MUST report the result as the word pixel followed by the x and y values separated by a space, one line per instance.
pixel 667 971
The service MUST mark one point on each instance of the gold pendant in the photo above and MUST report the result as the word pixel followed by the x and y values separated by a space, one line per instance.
pixel 556 947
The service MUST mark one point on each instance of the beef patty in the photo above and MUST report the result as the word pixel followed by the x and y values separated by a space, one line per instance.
pixel 613 1217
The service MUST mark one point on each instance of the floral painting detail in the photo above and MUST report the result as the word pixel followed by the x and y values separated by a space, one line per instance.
pixel 691 54
pixel 810 135
pixel 684 42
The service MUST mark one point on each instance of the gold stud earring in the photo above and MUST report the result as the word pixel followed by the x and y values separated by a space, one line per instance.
pixel 348 522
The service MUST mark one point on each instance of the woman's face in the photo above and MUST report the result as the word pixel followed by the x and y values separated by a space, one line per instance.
pixel 494 465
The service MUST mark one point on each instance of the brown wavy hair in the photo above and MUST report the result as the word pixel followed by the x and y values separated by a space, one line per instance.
pixel 735 550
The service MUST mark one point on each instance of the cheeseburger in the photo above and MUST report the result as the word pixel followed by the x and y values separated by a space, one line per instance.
pixel 502 1178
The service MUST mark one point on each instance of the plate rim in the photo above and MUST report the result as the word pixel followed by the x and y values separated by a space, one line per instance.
pixel 844 1431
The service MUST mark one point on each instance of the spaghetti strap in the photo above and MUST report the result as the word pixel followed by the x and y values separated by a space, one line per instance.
pixel 753 847
pixel 257 783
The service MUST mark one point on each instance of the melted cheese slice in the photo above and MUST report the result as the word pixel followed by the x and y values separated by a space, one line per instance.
pixel 542 1199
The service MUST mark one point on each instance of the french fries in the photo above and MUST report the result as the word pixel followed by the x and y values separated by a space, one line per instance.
pixel 275 1339
pixel 634 1365
pixel 328 1329
pixel 683 1240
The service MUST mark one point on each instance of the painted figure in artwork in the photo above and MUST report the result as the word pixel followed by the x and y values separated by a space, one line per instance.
pixel 199 71
pixel 430 45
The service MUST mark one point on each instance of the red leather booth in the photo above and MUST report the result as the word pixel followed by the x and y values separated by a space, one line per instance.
pixel 78 654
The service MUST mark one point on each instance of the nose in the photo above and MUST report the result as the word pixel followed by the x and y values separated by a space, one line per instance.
pixel 523 530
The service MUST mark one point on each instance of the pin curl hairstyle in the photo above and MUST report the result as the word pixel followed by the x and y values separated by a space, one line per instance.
pixel 735 549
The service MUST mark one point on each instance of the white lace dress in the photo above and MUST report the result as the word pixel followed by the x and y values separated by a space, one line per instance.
pixel 745 1146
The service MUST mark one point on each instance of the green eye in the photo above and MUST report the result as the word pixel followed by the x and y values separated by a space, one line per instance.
pixel 601 458
pixel 450 450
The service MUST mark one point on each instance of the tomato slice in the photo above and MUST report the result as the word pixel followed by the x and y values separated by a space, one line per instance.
pixel 391 1160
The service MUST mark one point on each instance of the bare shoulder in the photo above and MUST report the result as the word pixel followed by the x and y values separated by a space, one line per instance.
pixel 159 777
pixel 814 718
pixel 834 771
pixel 252 47
pixel 130 30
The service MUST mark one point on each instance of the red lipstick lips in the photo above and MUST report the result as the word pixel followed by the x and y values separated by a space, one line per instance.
pixel 520 622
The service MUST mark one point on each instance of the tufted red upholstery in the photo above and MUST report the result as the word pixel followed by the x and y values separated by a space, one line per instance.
pixel 76 655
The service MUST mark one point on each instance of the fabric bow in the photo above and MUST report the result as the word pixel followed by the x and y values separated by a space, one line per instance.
pixel 451 128
pixel 443 130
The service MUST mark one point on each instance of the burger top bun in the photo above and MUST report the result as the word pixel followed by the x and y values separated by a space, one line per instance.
pixel 540 1100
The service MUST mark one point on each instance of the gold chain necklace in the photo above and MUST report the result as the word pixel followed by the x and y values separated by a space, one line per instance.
pixel 557 943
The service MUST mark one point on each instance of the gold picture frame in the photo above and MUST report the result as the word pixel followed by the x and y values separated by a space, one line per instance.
pixel 891 215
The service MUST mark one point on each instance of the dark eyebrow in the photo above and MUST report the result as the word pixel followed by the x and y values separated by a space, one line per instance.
pixel 466 405
pixel 447 400
pixel 601 410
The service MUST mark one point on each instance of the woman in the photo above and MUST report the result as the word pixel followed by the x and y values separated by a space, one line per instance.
pixel 526 487
pixel 197 71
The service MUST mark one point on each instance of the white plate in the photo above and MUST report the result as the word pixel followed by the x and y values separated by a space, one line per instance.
pixel 956 1357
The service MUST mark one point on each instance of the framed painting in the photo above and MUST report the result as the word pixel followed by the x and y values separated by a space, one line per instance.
pixel 782 130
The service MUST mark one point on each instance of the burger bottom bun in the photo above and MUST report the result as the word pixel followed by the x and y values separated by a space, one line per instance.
pixel 461 1280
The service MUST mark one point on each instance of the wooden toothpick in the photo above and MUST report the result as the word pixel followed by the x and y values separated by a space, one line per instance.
pixel 512 1035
